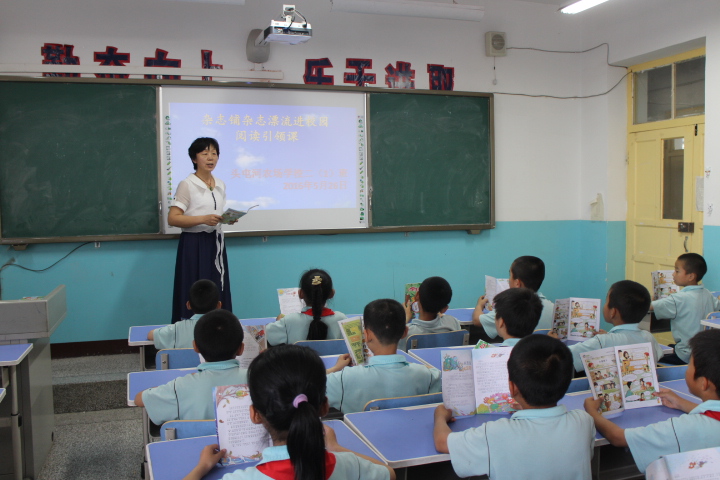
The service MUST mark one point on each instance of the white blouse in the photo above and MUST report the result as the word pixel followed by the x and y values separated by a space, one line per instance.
pixel 194 197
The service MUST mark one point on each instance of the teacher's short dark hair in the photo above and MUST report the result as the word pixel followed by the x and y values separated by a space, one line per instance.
pixel 200 145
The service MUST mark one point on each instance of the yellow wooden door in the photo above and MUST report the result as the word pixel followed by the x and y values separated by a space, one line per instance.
pixel 664 218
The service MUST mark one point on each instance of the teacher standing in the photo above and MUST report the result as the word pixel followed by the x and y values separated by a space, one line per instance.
pixel 197 208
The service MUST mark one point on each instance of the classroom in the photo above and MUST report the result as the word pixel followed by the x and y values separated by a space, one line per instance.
pixel 553 157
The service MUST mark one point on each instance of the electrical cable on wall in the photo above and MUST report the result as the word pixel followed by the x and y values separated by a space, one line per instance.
pixel 607 60
pixel 38 270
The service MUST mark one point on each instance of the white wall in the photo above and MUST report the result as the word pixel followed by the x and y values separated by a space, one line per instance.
pixel 538 141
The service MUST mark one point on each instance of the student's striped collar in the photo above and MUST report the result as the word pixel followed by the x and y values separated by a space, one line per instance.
pixel 555 411
pixel 224 365
pixel 625 326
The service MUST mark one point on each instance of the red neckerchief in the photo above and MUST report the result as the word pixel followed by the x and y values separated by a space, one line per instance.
pixel 283 469
pixel 712 414
pixel 326 312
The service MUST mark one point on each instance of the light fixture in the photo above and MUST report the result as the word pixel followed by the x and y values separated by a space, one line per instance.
pixel 582 5
pixel 286 31
pixel 410 8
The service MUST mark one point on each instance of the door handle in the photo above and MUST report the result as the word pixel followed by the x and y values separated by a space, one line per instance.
pixel 685 244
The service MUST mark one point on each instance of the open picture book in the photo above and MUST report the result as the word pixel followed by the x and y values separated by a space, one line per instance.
pixel 493 286
pixel 663 284
pixel 576 318
pixel 475 381
pixel 243 439
pixel 623 377
pixel 693 465
pixel 411 291
pixel 254 342
pixel 352 330
pixel 290 301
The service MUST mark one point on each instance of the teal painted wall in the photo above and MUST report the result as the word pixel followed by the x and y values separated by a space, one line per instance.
pixel 711 252
pixel 122 284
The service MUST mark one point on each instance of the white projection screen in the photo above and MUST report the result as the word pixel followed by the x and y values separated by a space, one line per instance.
pixel 297 154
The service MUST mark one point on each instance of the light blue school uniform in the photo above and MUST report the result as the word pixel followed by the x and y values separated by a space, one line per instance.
pixel 177 335
pixel 625 334
pixel 441 324
pixel 294 327
pixel 686 309
pixel 488 319
pixel 385 376
pixel 691 431
pixel 347 466
pixel 544 443
pixel 190 397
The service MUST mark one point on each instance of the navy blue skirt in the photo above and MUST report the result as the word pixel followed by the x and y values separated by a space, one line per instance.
pixel 196 260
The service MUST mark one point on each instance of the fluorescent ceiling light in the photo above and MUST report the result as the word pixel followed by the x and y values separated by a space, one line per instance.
pixel 580 6
pixel 410 8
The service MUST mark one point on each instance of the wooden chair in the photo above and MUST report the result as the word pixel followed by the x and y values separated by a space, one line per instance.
pixel 173 358
pixel 400 402
pixel 325 347
pixel 455 338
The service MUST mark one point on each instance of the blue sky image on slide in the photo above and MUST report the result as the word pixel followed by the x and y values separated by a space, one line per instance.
pixel 275 156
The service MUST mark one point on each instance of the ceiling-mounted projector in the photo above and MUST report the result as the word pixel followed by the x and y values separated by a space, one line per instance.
pixel 287 30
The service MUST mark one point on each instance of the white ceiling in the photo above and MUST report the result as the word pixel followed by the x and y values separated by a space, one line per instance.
pixel 559 3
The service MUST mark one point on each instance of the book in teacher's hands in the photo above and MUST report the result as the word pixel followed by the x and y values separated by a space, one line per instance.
pixel 243 439
pixel 623 377
pixel 475 381
pixel 663 284
pixel 693 465
pixel 352 330
pixel 231 215
pixel 576 318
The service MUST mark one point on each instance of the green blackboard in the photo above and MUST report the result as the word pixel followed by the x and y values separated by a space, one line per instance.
pixel 78 159
pixel 431 160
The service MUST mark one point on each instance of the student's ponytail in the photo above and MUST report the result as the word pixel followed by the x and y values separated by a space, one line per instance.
pixel 287 386
pixel 316 284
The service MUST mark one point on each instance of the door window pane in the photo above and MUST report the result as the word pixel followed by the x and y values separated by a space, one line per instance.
pixel 653 94
pixel 690 87
pixel 673 164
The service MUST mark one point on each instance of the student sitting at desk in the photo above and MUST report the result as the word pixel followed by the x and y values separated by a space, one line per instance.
pixel 688 307
pixel 218 337
pixel 517 312
pixel 542 440
pixel 287 388
pixel 626 305
pixel 204 297
pixel 528 272
pixel 700 428
pixel 316 323
pixel 433 299
pixel 387 374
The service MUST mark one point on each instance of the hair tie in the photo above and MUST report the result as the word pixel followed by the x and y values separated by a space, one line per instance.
pixel 317 280
pixel 299 399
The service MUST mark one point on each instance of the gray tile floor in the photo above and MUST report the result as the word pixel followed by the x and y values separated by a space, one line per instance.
pixel 91 443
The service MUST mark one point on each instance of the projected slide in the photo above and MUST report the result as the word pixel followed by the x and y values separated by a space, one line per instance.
pixel 299 156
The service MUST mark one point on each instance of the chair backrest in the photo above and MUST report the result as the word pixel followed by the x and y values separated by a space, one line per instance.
pixel 179 429
pixel 399 402
pixel 176 358
pixel 674 372
pixel 542 331
pixel 455 338
pixel 578 385
pixel 713 315
pixel 716 294
pixel 325 347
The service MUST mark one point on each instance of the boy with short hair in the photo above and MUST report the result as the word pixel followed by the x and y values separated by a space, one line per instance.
pixel 626 304
pixel 433 299
pixel 388 374
pixel 204 297
pixel 540 370
pixel 218 338
pixel 686 308
pixel 517 312
pixel 699 428
pixel 526 271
